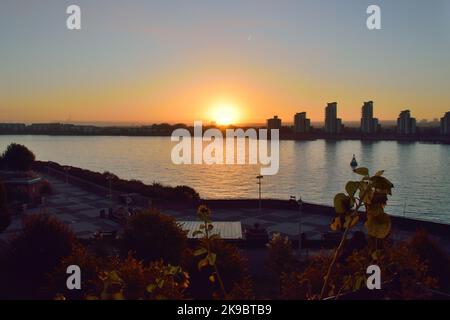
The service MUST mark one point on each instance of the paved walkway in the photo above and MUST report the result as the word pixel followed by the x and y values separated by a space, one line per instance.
pixel 74 206
pixel 80 209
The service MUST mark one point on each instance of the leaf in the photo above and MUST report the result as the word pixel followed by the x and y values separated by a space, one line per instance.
pixel 60 296
pixel 160 282
pixel 118 296
pixel 351 221
pixel 358 283
pixel 151 288
pixel 199 252
pixel 196 233
pixel 375 255
pixel 381 183
pixel 214 236
pixel 342 203
pixel 361 171
pixel 202 263
pixel 366 196
pixel 378 226
pixel 351 187
pixel 336 224
pixel 211 258
pixel 375 209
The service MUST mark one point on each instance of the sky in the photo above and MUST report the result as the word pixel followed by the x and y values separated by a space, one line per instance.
pixel 177 61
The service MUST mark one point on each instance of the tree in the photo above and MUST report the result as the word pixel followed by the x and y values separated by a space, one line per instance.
pixel 18 157
pixel 152 236
pixel 5 218
pixel 36 251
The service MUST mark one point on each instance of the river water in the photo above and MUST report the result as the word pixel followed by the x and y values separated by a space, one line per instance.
pixel 315 170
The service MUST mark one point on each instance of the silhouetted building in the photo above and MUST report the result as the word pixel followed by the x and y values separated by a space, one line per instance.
pixel 406 125
pixel 301 123
pixel 274 123
pixel 12 127
pixel 332 123
pixel 445 124
pixel 369 124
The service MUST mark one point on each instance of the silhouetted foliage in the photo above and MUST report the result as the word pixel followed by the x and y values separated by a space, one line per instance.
pixel 281 256
pixel 178 194
pixel 18 157
pixel 37 250
pixel 114 278
pixel 401 268
pixel 151 236
pixel 233 271
pixel 434 255
pixel 5 217
pixel 45 188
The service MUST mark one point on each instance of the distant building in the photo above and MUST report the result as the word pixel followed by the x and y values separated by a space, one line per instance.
pixel 274 123
pixel 406 125
pixel 12 127
pixel 369 124
pixel 46 127
pixel 445 124
pixel 301 123
pixel 332 123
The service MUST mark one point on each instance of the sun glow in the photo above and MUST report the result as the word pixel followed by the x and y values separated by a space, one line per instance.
pixel 225 114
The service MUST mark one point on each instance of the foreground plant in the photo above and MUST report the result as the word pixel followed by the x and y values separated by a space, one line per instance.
pixel 370 193
pixel 205 247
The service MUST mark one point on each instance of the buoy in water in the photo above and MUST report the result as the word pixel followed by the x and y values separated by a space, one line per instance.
pixel 353 163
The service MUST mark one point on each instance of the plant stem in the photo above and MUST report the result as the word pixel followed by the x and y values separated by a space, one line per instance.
pixel 336 255
pixel 219 278
pixel 341 245
pixel 216 270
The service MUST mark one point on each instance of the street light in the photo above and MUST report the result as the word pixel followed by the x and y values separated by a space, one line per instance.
pixel 259 187
pixel 66 170
pixel 300 205
pixel 110 177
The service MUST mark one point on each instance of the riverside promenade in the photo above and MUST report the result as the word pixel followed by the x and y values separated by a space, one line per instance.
pixel 76 207
pixel 80 209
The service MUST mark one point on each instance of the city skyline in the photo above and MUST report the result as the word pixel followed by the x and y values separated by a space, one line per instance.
pixel 147 62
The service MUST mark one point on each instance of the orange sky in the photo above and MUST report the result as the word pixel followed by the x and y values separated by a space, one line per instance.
pixel 165 62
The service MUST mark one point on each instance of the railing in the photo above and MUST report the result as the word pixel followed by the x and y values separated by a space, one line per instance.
pixel 84 184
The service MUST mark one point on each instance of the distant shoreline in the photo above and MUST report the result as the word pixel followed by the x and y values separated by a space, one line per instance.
pixel 283 136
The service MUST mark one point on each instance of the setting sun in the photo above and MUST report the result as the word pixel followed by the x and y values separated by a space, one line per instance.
pixel 225 114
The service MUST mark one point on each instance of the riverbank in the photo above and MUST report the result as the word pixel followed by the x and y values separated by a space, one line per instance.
pixel 278 214
pixel 436 138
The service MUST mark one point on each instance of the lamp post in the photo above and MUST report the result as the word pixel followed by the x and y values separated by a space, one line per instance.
pixel 66 170
pixel 259 190
pixel 109 177
pixel 300 205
